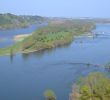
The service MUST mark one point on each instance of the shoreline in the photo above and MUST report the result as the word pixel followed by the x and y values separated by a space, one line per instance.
pixel 41 49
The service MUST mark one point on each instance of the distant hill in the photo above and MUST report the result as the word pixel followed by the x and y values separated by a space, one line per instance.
pixel 9 21
pixel 95 20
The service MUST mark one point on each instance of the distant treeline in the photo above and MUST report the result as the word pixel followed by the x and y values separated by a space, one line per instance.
pixel 10 21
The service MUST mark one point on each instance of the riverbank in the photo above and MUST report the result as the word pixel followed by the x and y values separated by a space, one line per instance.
pixel 51 36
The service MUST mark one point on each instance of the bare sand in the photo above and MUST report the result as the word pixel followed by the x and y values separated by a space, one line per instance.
pixel 21 37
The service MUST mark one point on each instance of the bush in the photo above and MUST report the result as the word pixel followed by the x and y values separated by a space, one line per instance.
pixel 95 86
pixel 49 95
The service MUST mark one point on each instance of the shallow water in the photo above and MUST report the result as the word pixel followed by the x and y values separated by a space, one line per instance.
pixel 27 76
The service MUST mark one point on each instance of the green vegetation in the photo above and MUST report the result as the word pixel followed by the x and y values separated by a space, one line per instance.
pixel 96 86
pixel 9 21
pixel 57 33
pixel 49 95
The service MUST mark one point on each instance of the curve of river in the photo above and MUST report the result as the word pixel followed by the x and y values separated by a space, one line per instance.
pixel 27 76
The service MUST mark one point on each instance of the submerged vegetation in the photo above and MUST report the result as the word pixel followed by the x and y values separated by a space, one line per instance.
pixel 58 32
pixel 95 86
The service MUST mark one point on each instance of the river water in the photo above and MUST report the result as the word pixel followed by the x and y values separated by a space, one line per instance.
pixel 27 76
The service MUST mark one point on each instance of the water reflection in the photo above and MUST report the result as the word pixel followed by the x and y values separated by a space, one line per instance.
pixel 107 67
pixel 11 58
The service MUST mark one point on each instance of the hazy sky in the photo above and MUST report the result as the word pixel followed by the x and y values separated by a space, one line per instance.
pixel 57 8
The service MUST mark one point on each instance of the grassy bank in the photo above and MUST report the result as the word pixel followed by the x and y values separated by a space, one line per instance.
pixel 55 34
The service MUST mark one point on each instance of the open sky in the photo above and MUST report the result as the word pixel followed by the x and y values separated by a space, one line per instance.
pixel 57 8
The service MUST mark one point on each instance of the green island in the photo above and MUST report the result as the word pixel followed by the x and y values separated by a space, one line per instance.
pixel 57 33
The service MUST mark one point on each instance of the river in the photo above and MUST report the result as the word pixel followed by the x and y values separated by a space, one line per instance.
pixel 27 76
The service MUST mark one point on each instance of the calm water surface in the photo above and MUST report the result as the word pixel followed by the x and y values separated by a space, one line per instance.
pixel 27 76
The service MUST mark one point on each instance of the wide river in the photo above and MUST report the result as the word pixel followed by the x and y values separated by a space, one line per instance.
pixel 27 76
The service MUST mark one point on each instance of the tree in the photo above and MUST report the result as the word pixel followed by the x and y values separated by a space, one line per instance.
pixel 49 95
pixel 95 86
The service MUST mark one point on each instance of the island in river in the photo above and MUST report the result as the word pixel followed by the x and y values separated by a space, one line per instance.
pixel 57 33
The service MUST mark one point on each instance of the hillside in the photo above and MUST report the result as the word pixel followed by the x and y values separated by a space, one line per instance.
pixel 9 21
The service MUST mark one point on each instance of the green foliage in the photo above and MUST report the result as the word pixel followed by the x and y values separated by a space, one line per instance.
pixel 96 86
pixel 85 91
pixel 55 34
pixel 49 95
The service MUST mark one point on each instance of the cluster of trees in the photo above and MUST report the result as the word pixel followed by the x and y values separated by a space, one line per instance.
pixel 56 34
pixel 95 86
